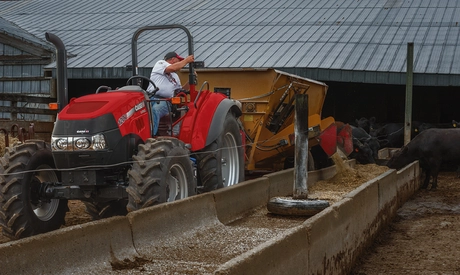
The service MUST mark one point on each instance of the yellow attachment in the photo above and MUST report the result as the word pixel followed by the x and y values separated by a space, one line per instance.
pixel 267 104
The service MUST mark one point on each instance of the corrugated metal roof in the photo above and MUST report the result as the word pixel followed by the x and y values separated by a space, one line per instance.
pixel 12 30
pixel 343 40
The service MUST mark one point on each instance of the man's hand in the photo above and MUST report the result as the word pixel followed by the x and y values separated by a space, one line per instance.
pixel 189 59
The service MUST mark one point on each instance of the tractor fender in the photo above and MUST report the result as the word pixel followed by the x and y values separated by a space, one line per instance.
pixel 217 122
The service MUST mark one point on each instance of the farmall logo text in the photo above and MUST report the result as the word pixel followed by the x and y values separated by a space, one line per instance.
pixel 139 106
pixel 82 131
pixel 130 113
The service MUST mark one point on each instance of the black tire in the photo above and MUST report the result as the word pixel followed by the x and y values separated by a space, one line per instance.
pixel 22 212
pixel 162 172
pixel 291 207
pixel 106 209
pixel 221 163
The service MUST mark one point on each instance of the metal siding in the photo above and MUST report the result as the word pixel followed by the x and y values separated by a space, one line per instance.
pixel 456 63
pixel 305 34
pixel 309 55
pixel 421 35
pixel 421 57
pixel 221 50
pixel 435 57
pixel 271 35
pixel 292 57
pixel 260 58
pixel 441 36
pixel 399 62
pixel 388 58
pixel 390 35
pixel 274 53
pixel 242 54
pixel 429 15
pixel 279 56
pixel 431 36
pixel 339 33
pixel 365 58
pixel 328 33
pixel 408 17
pixel 400 36
pixel 400 15
pixel 368 35
pixel 317 60
pixel 298 17
pixel 335 51
pixel 377 57
pixel 318 34
pixel 290 34
pixel 285 29
pixel 377 37
pixel 448 55
pixel 342 58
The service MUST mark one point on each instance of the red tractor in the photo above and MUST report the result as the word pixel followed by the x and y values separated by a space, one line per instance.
pixel 103 153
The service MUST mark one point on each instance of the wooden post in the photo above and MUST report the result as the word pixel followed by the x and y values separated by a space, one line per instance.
pixel 301 147
pixel 409 81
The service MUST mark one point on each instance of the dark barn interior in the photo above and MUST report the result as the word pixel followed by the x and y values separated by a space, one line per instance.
pixel 349 101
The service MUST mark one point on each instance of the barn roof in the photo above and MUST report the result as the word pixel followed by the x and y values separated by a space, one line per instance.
pixel 347 40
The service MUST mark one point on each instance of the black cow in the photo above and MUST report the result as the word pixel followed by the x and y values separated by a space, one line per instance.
pixel 392 134
pixel 432 148
pixel 424 126
pixel 361 152
pixel 366 123
pixel 365 138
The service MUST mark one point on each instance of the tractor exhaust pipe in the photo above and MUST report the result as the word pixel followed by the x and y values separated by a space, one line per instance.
pixel 61 70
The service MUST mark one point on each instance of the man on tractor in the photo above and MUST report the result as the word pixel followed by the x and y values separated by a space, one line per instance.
pixel 166 79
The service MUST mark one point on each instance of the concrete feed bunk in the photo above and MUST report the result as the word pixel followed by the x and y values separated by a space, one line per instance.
pixel 216 233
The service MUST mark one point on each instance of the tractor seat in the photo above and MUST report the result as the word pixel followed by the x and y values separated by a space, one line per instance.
pixel 131 88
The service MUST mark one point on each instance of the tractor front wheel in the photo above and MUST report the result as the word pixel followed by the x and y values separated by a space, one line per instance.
pixel 23 212
pixel 162 172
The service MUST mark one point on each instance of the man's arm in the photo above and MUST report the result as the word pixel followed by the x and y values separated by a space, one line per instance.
pixel 179 65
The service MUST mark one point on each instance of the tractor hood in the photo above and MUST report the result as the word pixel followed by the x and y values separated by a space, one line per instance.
pixel 110 110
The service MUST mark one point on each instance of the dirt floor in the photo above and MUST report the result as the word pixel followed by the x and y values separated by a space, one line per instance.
pixel 424 237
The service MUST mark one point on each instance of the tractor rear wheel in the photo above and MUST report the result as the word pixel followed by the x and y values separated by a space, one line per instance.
pixel 23 212
pixel 162 172
pixel 221 163
pixel 106 209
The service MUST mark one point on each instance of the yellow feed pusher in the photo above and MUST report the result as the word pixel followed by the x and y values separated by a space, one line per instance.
pixel 267 103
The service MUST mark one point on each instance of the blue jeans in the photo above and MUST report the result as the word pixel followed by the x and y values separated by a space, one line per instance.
pixel 159 110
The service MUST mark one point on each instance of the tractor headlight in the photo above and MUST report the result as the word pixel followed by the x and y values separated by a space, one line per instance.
pixel 99 142
pixel 60 144
pixel 82 143
pixel 96 142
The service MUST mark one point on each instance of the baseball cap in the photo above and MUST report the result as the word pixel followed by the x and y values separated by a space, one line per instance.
pixel 173 54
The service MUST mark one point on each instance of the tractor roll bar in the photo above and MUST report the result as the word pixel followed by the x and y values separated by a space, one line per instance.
pixel 192 78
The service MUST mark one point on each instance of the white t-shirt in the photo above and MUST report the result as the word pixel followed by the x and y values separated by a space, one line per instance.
pixel 166 82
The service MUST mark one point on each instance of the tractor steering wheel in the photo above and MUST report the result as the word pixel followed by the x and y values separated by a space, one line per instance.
pixel 155 88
